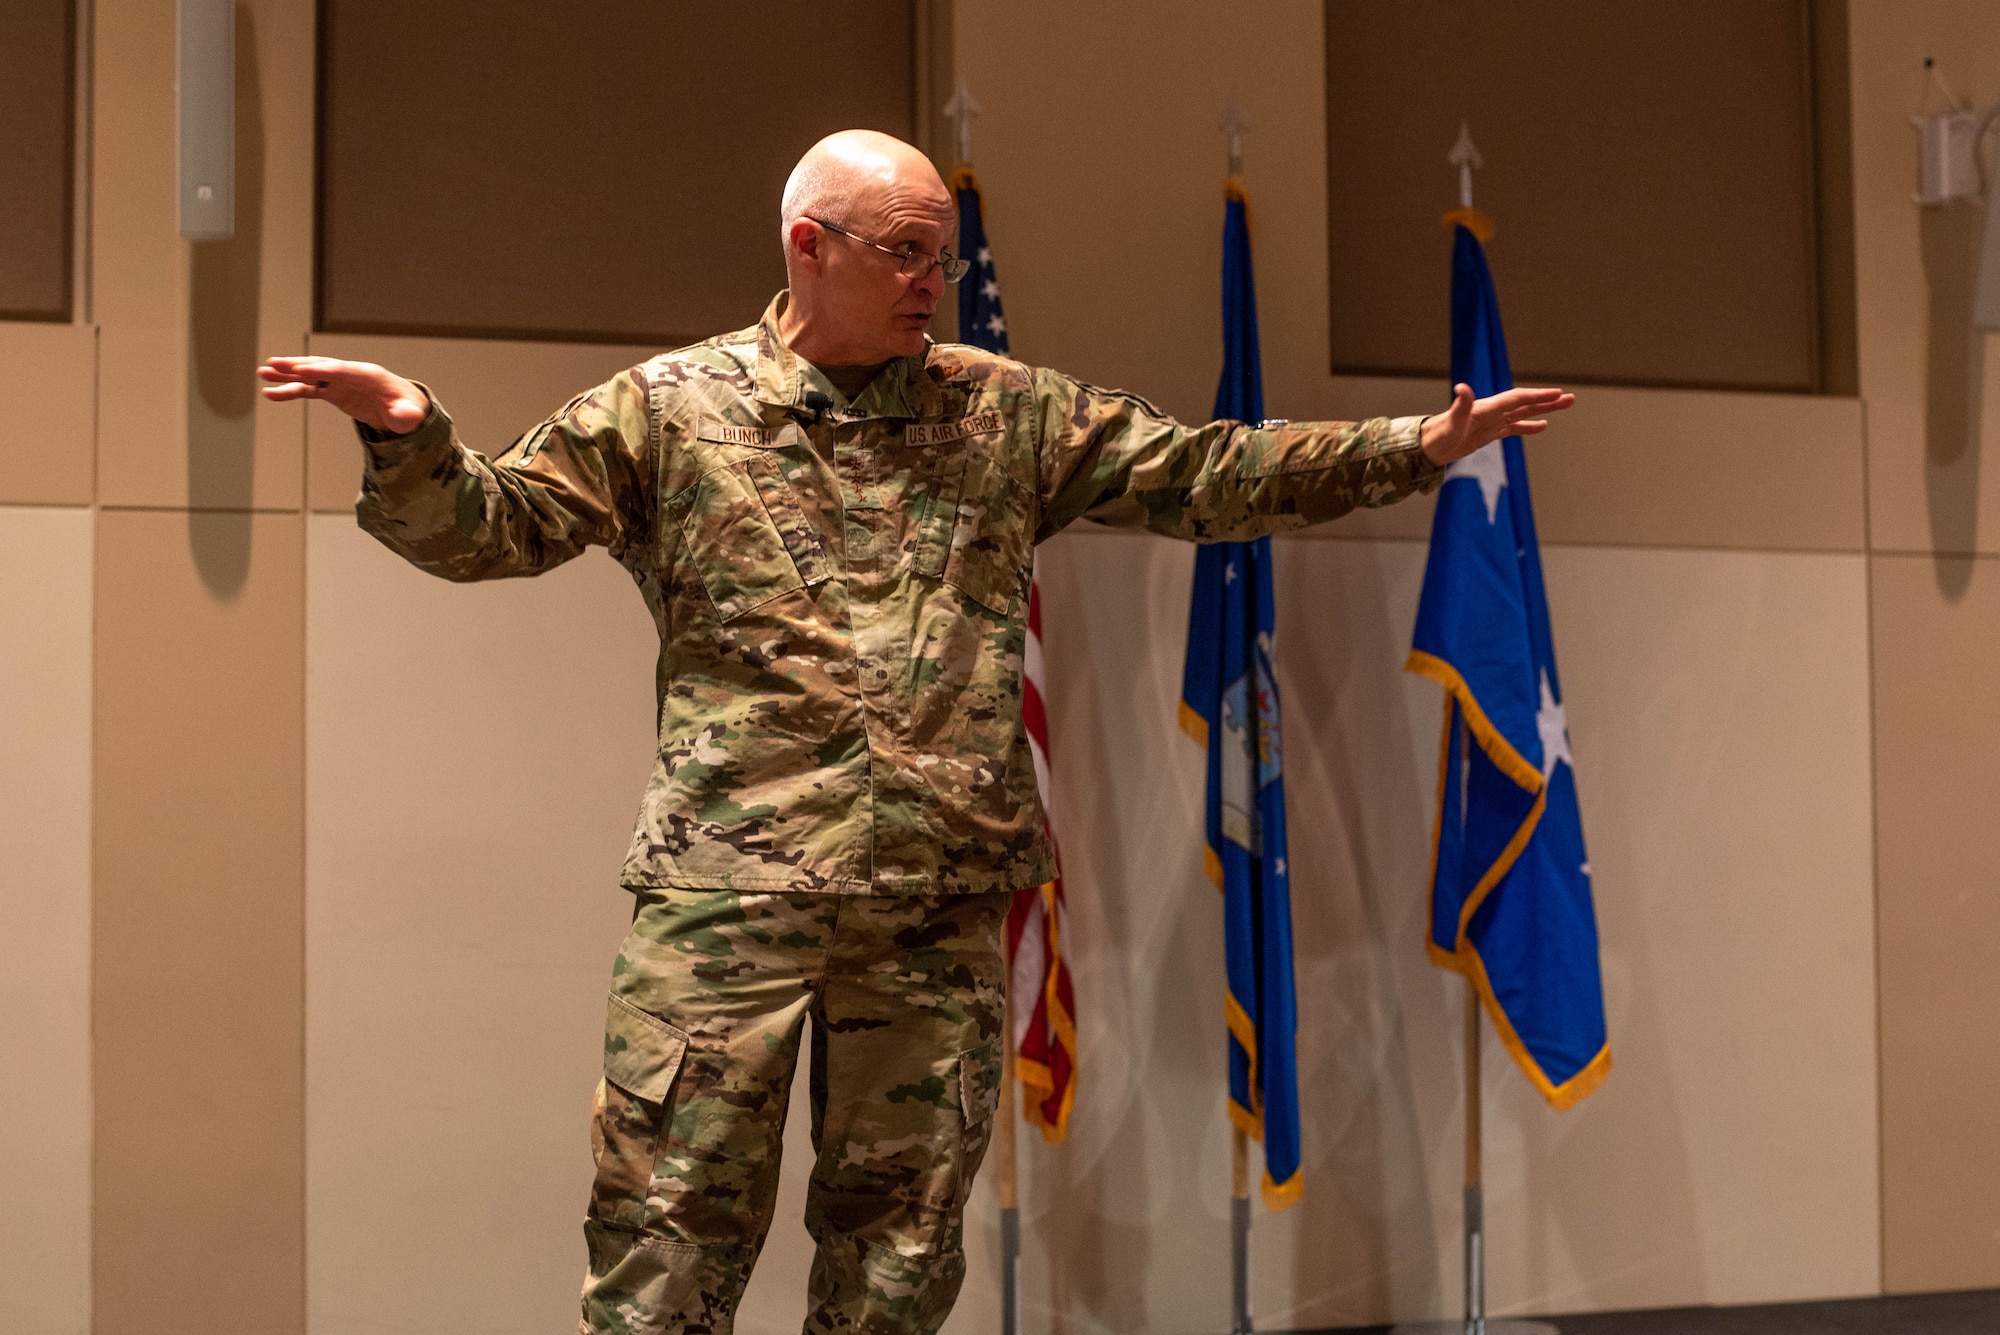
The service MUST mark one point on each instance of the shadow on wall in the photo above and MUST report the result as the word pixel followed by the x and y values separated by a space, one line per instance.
pixel 225 280
pixel 1953 374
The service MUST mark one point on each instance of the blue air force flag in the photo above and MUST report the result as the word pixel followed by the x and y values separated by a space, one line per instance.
pixel 1229 705
pixel 1510 889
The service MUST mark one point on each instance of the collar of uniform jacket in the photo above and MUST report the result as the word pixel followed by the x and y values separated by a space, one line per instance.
pixel 787 380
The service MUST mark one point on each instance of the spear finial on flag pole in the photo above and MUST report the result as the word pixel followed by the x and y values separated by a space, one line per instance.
pixel 962 108
pixel 1235 123
pixel 1465 156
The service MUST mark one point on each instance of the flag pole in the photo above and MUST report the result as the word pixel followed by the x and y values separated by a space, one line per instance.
pixel 1475 1194
pixel 1475 1223
pixel 1010 1186
pixel 1239 1232
pixel 1234 124
pixel 1475 1321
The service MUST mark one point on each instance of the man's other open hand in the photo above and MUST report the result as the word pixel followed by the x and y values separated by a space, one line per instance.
pixel 1472 423
pixel 362 390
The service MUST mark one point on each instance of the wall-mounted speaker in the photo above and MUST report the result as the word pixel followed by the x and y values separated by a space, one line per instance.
pixel 206 84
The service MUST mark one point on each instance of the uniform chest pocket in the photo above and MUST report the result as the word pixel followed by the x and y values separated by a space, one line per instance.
pixel 969 535
pixel 744 530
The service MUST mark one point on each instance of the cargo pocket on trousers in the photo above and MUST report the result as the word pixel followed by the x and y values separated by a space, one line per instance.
pixel 978 1100
pixel 642 1055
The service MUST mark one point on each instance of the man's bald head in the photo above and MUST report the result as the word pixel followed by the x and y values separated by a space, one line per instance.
pixel 848 174
pixel 866 220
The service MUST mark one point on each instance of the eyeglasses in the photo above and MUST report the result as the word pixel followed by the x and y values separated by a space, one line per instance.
pixel 916 264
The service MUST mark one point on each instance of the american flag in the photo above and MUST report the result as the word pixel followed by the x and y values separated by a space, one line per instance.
pixel 1044 1004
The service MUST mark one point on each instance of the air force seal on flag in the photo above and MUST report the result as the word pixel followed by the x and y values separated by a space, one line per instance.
pixel 1251 749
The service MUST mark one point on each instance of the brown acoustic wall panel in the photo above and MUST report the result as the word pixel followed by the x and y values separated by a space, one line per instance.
pixel 1649 168
pixel 37 100
pixel 611 171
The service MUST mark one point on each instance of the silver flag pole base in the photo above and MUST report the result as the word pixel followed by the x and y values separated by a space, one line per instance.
pixel 1010 1271
pixel 1476 1322
pixel 1492 1325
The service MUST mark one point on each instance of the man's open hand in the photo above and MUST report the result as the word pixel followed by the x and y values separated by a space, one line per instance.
pixel 362 390
pixel 1470 424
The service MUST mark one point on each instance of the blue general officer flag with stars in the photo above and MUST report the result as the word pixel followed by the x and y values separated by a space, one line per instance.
pixel 1229 704
pixel 1510 889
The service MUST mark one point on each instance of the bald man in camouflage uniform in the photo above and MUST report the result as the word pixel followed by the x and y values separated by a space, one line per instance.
pixel 832 521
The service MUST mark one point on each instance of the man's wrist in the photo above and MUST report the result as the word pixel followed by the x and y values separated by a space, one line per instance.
pixel 1425 438
pixel 378 435
pixel 387 450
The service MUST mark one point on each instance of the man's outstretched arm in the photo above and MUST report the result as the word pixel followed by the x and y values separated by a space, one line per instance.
pixel 580 479
pixel 1115 459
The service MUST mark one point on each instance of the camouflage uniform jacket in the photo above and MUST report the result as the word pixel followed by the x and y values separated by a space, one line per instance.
pixel 840 588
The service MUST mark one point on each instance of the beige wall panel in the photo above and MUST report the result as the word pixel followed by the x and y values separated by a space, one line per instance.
pixel 185 323
pixel 1937 729
pixel 1730 1157
pixel 1727 800
pixel 494 390
pixel 1664 468
pixel 1929 379
pixel 197 970
pixel 45 558
pixel 1659 467
pixel 476 754
pixel 49 446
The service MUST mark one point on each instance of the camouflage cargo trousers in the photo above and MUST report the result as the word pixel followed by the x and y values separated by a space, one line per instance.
pixel 708 999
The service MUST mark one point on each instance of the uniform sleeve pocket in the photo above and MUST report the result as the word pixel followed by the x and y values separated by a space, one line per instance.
pixel 642 1053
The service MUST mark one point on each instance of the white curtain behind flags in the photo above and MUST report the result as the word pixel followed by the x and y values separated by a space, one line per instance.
pixel 1730 1162
pixel 1126 1225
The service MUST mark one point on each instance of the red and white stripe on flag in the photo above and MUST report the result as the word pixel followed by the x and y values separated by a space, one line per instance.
pixel 1043 1008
